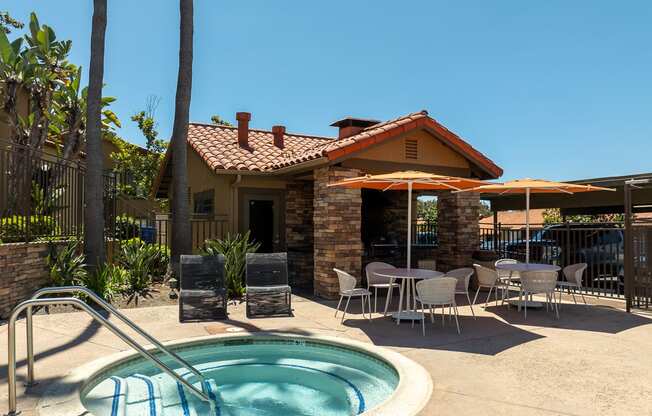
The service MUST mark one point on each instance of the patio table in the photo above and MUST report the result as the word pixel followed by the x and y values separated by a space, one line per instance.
pixel 408 277
pixel 525 267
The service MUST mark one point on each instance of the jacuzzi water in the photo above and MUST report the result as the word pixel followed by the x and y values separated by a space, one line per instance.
pixel 248 376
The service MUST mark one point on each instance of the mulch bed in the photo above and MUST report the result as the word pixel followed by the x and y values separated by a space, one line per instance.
pixel 159 297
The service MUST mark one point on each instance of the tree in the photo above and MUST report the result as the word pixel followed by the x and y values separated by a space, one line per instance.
pixel 93 184
pixel 181 237
pixel 553 216
pixel 215 119
pixel 130 161
pixel 7 22
pixel 427 210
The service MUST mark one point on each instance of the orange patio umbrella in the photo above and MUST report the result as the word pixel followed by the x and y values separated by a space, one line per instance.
pixel 409 180
pixel 527 186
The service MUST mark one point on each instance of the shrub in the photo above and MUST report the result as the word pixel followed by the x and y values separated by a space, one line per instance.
pixel 126 227
pixel 106 281
pixel 234 248
pixel 139 260
pixel 13 229
pixel 67 266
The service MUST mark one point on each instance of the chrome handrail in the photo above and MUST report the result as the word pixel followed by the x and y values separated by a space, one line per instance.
pixel 109 308
pixel 11 355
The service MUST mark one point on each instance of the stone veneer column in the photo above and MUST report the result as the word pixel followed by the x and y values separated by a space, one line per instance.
pixel 457 229
pixel 299 232
pixel 337 230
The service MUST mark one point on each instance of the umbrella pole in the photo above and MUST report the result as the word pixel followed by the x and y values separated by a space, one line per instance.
pixel 409 226
pixel 527 225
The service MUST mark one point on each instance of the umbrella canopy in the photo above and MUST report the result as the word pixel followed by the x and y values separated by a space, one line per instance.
pixel 527 186
pixel 409 180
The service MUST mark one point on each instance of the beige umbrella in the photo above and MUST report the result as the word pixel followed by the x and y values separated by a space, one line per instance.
pixel 409 180
pixel 528 186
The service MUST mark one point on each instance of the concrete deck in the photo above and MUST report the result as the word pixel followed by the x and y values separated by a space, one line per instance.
pixel 594 360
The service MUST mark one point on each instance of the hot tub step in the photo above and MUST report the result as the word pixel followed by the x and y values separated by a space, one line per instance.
pixel 144 396
pixel 108 397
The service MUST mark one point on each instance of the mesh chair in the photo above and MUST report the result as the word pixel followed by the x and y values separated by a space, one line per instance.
pixel 202 292
pixel 376 282
pixel 267 291
pixel 437 292
pixel 463 277
pixel 348 291
pixel 506 276
pixel 487 278
pixel 573 274
pixel 540 281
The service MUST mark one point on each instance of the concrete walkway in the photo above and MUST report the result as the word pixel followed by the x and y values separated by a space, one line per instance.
pixel 595 360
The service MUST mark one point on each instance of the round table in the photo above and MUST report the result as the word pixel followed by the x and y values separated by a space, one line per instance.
pixel 408 277
pixel 525 267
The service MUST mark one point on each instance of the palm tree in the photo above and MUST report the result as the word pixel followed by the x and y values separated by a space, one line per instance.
pixel 93 185
pixel 181 238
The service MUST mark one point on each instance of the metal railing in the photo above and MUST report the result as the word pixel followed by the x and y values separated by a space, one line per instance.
pixel 107 307
pixel 11 355
pixel 600 245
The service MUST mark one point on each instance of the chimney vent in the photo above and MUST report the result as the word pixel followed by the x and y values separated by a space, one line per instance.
pixel 279 133
pixel 350 126
pixel 243 128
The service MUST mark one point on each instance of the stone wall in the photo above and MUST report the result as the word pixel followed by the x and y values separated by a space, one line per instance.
pixel 336 229
pixel 457 229
pixel 23 270
pixel 299 231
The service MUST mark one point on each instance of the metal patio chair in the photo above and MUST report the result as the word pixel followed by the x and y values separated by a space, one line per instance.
pixel 348 291
pixel 463 277
pixel 376 282
pixel 573 274
pixel 202 289
pixel 432 293
pixel 267 289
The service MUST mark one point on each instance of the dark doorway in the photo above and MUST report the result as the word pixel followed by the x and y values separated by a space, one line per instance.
pixel 261 224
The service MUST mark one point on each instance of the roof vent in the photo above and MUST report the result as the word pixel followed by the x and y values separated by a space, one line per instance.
pixel 279 133
pixel 350 126
pixel 243 128
pixel 411 149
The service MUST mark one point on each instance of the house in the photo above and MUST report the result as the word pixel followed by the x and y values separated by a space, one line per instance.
pixel 513 219
pixel 274 183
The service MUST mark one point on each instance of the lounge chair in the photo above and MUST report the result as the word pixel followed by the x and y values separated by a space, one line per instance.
pixel 202 292
pixel 268 291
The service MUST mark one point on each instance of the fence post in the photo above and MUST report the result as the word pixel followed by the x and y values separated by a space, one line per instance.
pixel 28 189
pixel 629 255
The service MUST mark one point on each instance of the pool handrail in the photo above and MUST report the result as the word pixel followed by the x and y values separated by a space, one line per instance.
pixel 109 308
pixel 11 354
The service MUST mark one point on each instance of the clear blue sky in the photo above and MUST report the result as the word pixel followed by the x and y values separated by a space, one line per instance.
pixel 556 89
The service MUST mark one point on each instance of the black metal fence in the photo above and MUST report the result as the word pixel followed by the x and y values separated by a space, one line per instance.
pixel 638 248
pixel 600 245
pixel 42 195
pixel 424 233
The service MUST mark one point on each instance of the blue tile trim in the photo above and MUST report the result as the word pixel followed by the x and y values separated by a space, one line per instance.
pixel 213 397
pixel 116 396
pixel 150 393
pixel 184 401
pixel 361 403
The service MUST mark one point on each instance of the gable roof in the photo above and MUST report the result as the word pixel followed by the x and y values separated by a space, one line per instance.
pixel 218 145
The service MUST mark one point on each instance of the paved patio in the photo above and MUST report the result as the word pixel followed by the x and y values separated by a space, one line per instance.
pixel 593 360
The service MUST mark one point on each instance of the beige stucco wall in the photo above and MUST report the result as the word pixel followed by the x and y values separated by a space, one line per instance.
pixel 201 178
pixel 430 151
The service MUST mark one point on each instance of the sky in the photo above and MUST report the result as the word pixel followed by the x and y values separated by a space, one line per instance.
pixel 557 89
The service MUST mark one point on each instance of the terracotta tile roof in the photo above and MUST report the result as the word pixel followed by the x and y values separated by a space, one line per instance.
pixel 218 145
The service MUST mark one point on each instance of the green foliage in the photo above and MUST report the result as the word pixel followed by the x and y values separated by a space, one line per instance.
pixel 140 166
pixel 234 248
pixel 553 216
pixel 139 261
pixel 215 119
pixel 126 227
pixel 106 281
pixel 12 229
pixel 67 266
pixel 427 210
pixel 7 23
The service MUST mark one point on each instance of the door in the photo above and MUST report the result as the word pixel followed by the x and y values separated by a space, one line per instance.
pixel 261 223
pixel 262 212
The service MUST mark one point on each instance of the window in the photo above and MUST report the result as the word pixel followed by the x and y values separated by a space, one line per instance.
pixel 204 202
